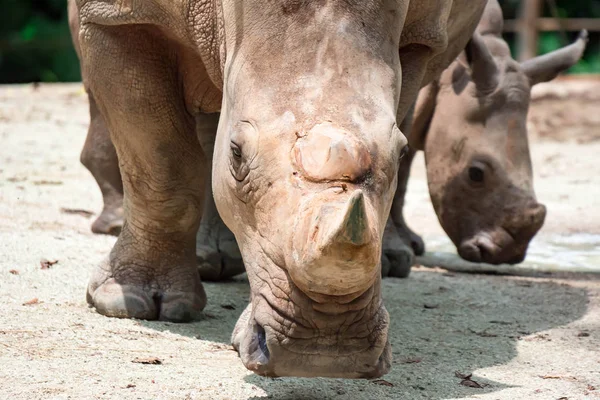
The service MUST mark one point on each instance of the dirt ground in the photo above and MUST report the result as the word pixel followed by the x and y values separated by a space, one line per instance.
pixel 519 337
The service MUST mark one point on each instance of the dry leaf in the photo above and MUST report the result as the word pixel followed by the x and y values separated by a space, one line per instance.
pixel 147 360
pixel 31 302
pixel 471 383
pixel 14 272
pixel 47 182
pixel 78 211
pixel 382 382
pixel 541 336
pixel 483 333
pixel 564 378
pixel 46 264
pixel 411 361
pixel 462 376
pixel 467 381
pixel 583 334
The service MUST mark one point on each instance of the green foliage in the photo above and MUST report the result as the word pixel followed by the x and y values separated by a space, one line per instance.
pixel 35 43
pixel 550 41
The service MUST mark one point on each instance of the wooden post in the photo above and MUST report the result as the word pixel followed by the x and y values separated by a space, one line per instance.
pixel 528 33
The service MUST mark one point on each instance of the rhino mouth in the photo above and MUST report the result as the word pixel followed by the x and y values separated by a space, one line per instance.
pixel 498 247
pixel 258 351
pixel 274 342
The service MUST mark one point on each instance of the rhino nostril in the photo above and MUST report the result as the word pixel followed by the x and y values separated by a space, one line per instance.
pixel 484 251
pixel 262 341
pixel 470 252
pixel 257 350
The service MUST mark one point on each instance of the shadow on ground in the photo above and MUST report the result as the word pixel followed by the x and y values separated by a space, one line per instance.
pixel 441 324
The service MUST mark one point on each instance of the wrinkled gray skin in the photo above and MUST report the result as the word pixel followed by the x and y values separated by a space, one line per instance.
pixel 471 123
pixel 305 159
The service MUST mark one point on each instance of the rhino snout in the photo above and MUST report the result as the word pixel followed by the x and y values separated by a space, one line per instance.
pixel 507 244
pixel 335 247
pixel 272 342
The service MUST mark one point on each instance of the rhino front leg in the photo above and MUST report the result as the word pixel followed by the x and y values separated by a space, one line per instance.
pixel 397 213
pixel 217 251
pixel 398 248
pixel 400 243
pixel 151 271
pixel 100 158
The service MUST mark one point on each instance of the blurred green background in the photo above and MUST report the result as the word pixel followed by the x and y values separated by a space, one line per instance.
pixel 35 45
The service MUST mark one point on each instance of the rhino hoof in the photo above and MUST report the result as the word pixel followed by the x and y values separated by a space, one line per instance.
pixel 129 301
pixel 417 244
pixel 397 262
pixel 109 222
pixel 397 256
pixel 218 264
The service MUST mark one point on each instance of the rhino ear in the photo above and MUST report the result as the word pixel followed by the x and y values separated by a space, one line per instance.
pixel 484 71
pixel 547 67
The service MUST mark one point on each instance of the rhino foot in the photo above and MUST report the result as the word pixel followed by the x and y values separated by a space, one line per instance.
pixel 110 221
pixel 131 294
pixel 408 237
pixel 397 257
pixel 416 241
pixel 217 253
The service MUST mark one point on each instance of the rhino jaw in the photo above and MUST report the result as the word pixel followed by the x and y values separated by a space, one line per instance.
pixel 335 247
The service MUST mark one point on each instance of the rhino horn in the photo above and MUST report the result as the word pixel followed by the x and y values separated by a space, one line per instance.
pixel 353 226
pixel 484 71
pixel 547 67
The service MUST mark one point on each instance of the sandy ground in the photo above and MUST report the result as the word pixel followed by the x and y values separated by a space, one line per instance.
pixel 521 338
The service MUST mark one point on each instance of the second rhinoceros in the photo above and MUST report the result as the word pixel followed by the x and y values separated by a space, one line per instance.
pixel 471 124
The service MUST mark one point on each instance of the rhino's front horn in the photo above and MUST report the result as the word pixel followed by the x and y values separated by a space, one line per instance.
pixel 336 247
pixel 353 226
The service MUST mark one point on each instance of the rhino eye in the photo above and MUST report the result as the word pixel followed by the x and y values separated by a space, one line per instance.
pixel 236 151
pixel 404 151
pixel 476 174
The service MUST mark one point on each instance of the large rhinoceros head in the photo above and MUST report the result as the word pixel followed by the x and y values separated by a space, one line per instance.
pixel 304 173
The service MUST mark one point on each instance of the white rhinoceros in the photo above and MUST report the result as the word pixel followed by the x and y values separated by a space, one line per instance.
pixel 305 157
pixel 472 124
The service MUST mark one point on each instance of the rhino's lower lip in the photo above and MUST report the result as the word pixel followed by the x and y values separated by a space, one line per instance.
pixel 503 250
pixel 480 248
